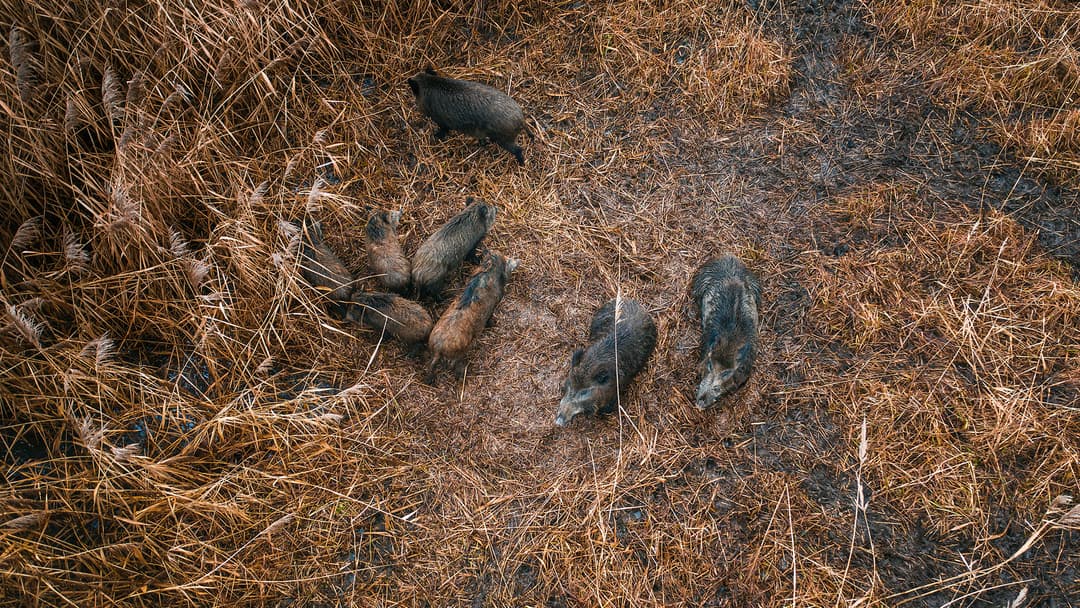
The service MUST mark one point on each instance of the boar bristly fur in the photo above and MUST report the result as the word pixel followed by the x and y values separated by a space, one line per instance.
pixel 320 266
pixel 622 337
pixel 728 296
pixel 471 108
pixel 467 316
pixel 401 319
pixel 443 252
pixel 385 258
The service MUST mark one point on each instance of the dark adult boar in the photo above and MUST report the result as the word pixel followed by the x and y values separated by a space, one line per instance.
pixel 460 325
pixel 385 258
pixel 320 266
pixel 622 336
pixel 442 253
pixel 401 319
pixel 471 108
pixel 728 296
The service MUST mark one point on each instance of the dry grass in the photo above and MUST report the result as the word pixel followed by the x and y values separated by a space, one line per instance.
pixel 184 424
pixel 1016 61
pixel 957 346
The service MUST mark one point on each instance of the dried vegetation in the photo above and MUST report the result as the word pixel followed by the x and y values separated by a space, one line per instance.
pixel 183 423
pixel 1017 62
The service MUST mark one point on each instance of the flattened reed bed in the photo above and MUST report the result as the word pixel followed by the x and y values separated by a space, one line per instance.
pixel 183 422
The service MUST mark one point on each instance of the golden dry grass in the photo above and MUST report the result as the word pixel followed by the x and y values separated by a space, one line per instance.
pixel 184 423
pixel 1018 62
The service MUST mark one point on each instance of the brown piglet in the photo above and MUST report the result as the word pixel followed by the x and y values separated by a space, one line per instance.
pixel 385 258
pixel 467 316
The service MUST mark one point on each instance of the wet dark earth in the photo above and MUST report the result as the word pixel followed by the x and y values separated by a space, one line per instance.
pixel 850 141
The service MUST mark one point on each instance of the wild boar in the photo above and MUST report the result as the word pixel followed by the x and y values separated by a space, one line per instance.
pixel 622 337
pixel 467 316
pixel 469 107
pixel 728 296
pixel 443 252
pixel 401 319
pixel 320 266
pixel 385 258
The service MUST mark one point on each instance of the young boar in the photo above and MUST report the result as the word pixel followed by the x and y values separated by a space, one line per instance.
pixel 443 252
pixel 622 336
pixel 469 107
pixel 467 316
pixel 402 319
pixel 728 296
pixel 320 267
pixel 385 257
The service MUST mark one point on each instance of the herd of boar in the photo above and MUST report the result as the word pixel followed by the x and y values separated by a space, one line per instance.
pixel 622 335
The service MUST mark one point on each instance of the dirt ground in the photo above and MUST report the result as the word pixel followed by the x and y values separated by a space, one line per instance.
pixel 465 493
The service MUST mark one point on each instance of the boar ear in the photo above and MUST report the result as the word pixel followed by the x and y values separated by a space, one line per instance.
pixel 431 70
pixel 395 217
pixel 576 357
pixel 512 264
pixel 415 87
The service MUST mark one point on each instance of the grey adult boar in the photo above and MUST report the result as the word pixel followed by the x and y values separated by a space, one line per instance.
pixel 728 296
pixel 443 252
pixel 622 337
pixel 469 107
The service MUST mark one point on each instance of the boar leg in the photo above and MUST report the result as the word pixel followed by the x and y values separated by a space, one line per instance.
pixel 476 254
pixel 459 368
pixel 415 350
pixel 432 370
pixel 514 149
